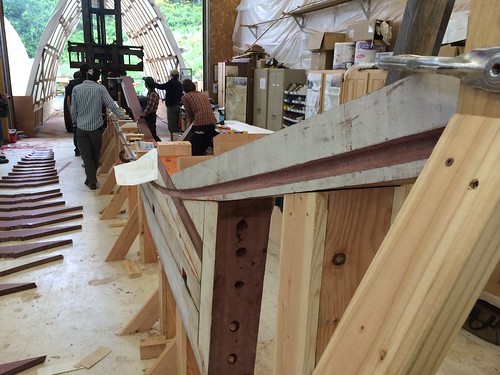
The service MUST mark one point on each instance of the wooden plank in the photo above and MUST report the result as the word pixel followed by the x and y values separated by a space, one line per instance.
pixel 166 363
pixel 400 195
pixel 152 347
pixel 31 265
pixel 26 184
pixel 433 263
pixel 181 344
pixel 29 234
pixel 16 367
pixel 483 31
pixel 27 223
pixel 116 203
pixel 132 269
pixel 422 29
pixel 145 318
pixel 167 305
pixel 15 287
pixel 240 256
pixel 29 195
pixel 188 161
pixel 379 138
pixel 125 240
pixel 189 311
pixel 43 212
pixel 110 182
pixel 302 250
pixel 358 221
pixel 29 206
pixel 16 251
pixel 94 357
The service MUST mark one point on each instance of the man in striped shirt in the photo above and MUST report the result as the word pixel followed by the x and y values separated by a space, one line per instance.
pixel 149 113
pixel 87 100
pixel 199 112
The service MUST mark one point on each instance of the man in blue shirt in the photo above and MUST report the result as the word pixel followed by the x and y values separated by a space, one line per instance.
pixel 173 94
pixel 87 100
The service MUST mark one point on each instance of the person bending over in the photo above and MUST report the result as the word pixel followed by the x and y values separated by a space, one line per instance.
pixel 87 100
pixel 198 112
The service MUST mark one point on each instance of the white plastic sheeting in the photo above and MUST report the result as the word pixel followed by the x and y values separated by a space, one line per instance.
pixel 286 41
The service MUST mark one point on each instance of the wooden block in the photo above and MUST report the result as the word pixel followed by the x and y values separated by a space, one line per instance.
pixel 130 137
pixel 117 223
pixel 174 148
pixel 152 347
pixel 129 127
pixel 188 161
pixel 132 268
pixel 19 366
pixel 93 358
pixel 227 142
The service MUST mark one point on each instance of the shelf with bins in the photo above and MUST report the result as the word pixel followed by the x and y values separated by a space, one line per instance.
pixel 294 104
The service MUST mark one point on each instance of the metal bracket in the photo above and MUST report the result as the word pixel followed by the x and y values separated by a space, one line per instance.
pixel 480 68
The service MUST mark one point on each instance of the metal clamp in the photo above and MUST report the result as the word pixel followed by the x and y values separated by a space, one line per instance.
pixel 479 68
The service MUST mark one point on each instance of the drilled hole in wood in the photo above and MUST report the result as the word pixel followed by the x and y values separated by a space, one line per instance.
pixel 234 326
pixel 239 284
pixel 184 275
pixel 474 184
pixel 241 229
pixel 153 208
pixel 241 252
pixel 449 162
pixel 495 70
pixel 232 358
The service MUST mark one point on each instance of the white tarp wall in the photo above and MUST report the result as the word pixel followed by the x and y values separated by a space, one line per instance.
pixel 287 42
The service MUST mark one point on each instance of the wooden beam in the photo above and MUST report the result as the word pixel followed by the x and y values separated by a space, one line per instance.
pixel 31 265
pixel 433 263
pixel 16 251
pixel 15 287
pixel 240 256
pixel 16 367
pixel 358 221
pixel 125 239
pixel 116 203
pixel 422 30
pixel 302 251
pixel 334 149
pixel 145 318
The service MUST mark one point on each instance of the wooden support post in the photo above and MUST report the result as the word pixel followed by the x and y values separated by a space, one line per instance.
pixel 132 197
pixel 110 182
pixel 125 239
pixel 358 221
pixel 111 159
pixel 167 305
pixel 240 255
pixel 302 249
pixel 148 250
pixel 116 203
pixel 145 318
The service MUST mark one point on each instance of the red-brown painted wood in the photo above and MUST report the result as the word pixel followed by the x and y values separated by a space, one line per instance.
pixel 30 195
pixel 26 266
pixel 14 288
pixel 16 367
pixel 16 215
pixel 28 223
pixel 16 251
pixel 29 206
pixel 29 234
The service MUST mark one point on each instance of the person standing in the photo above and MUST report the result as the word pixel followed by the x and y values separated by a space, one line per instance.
pixel 199 112
pixel 149 113
pixel 78 78
pixel 173 94
pixel 87 100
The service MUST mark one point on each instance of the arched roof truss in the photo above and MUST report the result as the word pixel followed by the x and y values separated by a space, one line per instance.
pixel 142 23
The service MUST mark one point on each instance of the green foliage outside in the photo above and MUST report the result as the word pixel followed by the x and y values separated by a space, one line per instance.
pixel 184 18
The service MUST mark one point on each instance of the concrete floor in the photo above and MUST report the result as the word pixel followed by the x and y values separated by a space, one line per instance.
pixel 82 302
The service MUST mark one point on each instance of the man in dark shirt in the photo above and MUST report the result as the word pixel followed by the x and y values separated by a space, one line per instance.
pixel 79 77
pixel 173 94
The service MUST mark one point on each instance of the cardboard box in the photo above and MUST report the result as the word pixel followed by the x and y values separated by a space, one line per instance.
pixel 175 148
pixel 373 30
pixel 321 41
pixel 321 60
